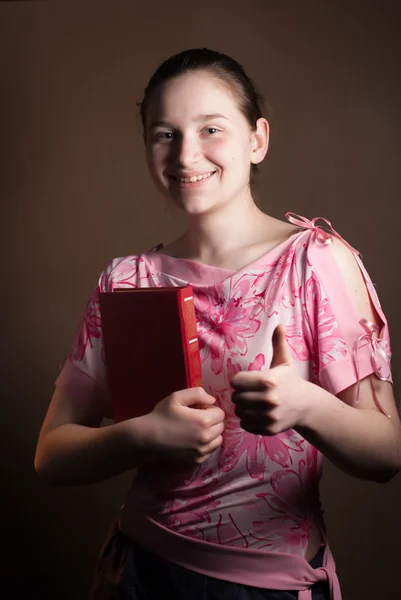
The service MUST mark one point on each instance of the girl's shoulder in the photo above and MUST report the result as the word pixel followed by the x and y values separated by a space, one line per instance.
pixel 122 271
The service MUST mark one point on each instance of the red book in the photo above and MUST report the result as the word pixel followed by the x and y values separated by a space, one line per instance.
pixel 151 346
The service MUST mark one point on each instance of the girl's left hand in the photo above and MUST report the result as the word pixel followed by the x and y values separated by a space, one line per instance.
pixel 271 401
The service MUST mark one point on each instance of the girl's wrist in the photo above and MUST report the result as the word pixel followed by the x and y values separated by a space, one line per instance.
pixel 307 399
pixel 138 436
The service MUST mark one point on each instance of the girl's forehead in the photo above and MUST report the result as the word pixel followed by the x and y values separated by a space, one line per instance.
pixel 193 93
pixel 195 80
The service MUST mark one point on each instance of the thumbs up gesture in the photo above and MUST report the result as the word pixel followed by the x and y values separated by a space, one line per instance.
pixel 271 401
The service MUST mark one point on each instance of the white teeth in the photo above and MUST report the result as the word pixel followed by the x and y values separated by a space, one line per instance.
pixel 193 179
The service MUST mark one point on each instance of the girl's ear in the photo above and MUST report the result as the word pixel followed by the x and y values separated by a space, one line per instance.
pixel 260 141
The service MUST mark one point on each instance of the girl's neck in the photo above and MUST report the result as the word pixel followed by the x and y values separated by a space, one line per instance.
pixel 211 237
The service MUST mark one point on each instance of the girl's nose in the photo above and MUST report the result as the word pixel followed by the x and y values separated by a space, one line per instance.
pixel 188 150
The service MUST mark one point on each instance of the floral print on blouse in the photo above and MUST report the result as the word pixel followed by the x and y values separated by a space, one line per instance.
pixel 255 491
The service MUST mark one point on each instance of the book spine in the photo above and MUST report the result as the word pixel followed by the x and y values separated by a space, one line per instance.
pixel 189 335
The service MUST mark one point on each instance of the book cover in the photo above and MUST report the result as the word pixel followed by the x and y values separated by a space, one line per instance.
pixel 151 346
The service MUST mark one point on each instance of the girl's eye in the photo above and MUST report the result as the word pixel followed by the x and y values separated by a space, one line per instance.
pixel 164 135
pixel 211 130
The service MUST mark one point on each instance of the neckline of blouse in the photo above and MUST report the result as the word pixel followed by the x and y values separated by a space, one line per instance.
pixel 197 273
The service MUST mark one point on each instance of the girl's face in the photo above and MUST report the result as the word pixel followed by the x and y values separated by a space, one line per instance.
pixel 199 145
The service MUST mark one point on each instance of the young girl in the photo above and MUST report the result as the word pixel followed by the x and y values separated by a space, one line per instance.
pixel 296 364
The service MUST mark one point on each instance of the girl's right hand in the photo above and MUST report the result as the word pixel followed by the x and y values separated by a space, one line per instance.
pixel 180 428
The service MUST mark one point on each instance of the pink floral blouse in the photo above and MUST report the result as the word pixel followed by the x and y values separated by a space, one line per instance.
pixel 257 496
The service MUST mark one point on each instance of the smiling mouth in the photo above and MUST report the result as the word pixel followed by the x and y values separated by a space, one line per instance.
pixel 194 179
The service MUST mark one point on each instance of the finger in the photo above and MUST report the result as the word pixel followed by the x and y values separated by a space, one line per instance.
pixel 257 426
pixel 254 400
pixel 200 460
pixel 212 416
pixel 194 396
pixel 252 410
pixel 213 445
pixel 210 434
pixel 281 350
pixel 216 431
pixel 248 380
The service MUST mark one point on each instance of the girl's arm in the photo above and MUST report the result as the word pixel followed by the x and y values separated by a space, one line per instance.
pixel 73 450
pixel 360 440
pixel 357 437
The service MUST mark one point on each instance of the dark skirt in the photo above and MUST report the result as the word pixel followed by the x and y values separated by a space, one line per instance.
pixel 127 571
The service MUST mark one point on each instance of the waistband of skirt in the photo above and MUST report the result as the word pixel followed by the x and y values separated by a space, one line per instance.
pixel 247 566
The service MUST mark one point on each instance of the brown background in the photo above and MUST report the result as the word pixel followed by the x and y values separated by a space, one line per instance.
pixel 75 192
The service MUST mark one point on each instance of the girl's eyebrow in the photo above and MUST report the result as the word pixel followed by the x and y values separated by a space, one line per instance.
pixel 207 117
pixel 197 119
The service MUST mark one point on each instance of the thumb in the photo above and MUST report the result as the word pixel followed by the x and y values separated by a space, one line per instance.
pixel 195 397
pixel 281 350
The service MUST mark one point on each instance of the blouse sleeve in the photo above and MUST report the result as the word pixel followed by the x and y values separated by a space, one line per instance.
pixel 345 347
pixel 83 376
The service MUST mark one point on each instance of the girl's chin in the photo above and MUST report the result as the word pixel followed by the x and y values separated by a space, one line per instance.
pixel 196 207
pixel 192 198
